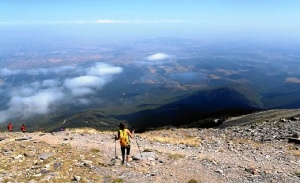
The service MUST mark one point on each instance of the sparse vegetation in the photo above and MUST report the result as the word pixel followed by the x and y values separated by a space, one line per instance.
pixel 192 181
pixel 297 173
pixel 118 180
pixel 291 147
pixel 93 150
pixel 172 137
pixel 296 153
pixel 82 130
pixel 176 156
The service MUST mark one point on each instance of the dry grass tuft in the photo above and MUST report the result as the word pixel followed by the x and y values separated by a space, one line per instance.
pixel 82 130
pixel 172 137
pixel 296 153
pixel 118 180
pixel 192 181
pixel 93 150
pixel 190 141
pixel 176 156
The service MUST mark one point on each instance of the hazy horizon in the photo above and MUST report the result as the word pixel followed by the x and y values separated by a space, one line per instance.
pixel 113 21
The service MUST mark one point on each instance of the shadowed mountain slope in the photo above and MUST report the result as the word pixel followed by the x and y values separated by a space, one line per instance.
pixel 187 109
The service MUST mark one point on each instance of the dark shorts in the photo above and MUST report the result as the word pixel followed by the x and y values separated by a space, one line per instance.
pixel 127 148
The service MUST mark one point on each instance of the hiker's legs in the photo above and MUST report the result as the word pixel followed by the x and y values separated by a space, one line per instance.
pixel 123 154
pixel 127 153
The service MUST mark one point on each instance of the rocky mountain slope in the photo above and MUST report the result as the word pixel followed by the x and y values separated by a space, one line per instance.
pixel 265 151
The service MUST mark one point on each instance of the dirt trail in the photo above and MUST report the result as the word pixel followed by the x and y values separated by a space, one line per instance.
pixel 168 170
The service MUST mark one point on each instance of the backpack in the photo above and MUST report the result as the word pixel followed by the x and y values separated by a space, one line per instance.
pixel 124 140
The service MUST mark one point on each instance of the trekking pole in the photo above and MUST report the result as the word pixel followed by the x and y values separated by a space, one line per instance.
pixel 138 146
pixel 115 148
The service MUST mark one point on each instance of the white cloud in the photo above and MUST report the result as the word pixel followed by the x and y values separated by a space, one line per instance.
pixel 112 21
pixel 37 103
pixel 8 72
pixel 24 91
pixel 292 80
pixel 158 56
pixel 69 85
pixel 106 21
pixel 78 92
pixel 84 81
pixel 101 69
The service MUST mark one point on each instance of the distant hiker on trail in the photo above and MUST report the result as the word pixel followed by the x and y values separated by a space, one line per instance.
pixel 23 128
pixel 9 127
pixel 123 135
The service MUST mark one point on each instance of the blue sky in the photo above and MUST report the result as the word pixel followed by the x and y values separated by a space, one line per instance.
pixel 185 18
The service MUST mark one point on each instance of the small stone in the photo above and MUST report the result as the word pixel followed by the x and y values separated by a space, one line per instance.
pixel 56 165
pixel 19 156
pixel 47 166
pixel 112 162
pixel 219 171
pixel 36 167
pixel 77 178
pixel 295 135
pixel 28 154
pixel 45 155
pixel 151 159
pixel 253 171
pixel 37 175
pixel 87 164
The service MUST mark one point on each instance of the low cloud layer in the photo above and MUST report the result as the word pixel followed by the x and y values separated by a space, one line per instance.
pixel 42 96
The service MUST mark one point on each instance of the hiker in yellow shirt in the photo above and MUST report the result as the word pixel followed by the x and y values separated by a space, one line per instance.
pixel 123 135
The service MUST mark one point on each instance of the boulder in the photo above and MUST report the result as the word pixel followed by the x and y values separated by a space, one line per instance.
pixel 144 156
pixel 45 155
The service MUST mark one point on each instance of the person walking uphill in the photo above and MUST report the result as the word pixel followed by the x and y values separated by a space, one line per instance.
pixel 9 127
pixel 123 135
